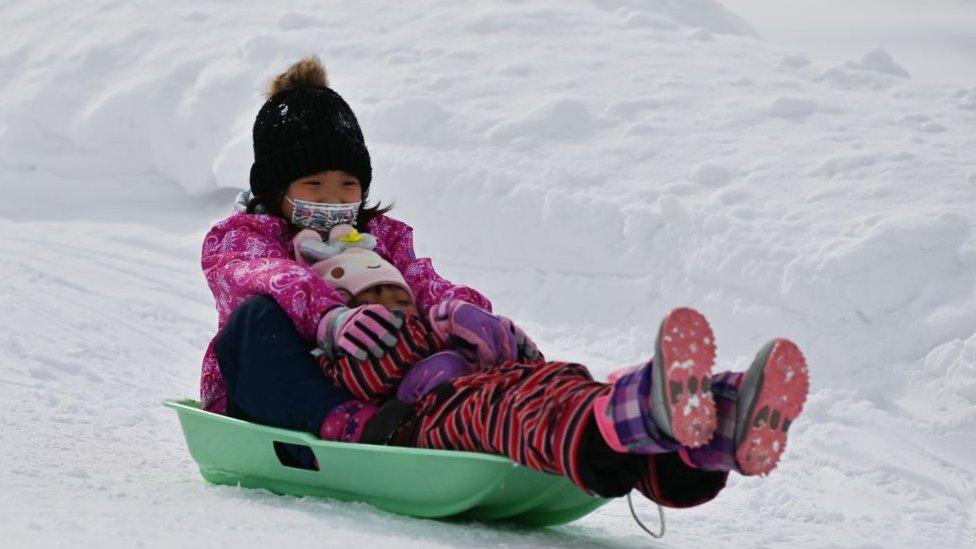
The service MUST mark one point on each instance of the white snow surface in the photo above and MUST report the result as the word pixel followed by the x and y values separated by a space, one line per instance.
pixel 587 165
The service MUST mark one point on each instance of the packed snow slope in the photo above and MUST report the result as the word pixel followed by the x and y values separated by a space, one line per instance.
pixel 588 165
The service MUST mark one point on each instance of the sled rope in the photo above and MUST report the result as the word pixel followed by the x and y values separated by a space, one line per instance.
pixel 660 514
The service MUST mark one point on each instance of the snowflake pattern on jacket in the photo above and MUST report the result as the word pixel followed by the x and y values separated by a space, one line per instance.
pixel 252 254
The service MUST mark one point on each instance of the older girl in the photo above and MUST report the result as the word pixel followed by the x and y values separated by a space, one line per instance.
pixel 668 427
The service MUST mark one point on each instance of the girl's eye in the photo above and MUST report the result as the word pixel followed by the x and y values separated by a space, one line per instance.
pixel 348 183
pixel 314 183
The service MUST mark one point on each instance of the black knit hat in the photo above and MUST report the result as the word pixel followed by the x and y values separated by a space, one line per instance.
pixel 303 131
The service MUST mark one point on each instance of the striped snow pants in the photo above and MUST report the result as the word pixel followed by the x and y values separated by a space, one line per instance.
pixel 537 414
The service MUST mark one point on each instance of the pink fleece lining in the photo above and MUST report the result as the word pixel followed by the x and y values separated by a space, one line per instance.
pixel 605 423
pixel 683 452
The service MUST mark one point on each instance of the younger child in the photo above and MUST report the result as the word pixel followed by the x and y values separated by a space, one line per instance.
pixel 348 263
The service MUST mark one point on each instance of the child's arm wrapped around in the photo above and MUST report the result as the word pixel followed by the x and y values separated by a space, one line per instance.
pixel 247 255
pixel 348 263
pixel 375 379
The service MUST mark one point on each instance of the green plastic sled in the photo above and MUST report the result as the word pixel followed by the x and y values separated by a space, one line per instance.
pixel 409 481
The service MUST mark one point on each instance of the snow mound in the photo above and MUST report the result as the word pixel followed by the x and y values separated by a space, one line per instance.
pixel 797 108
pixel 413 121
pixel 947 386
pixel 565 119
pixel 876 69
pixel 879 60
pixel 714 175
pixel 705 14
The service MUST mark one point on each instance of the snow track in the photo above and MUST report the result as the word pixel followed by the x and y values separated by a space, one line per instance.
pixel 588 167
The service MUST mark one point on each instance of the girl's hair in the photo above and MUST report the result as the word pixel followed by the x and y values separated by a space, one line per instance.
pixel 273 207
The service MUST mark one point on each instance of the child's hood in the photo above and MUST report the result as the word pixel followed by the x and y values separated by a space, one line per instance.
pixel 240 204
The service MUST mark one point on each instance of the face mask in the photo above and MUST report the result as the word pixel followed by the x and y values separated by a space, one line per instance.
pixel 320 216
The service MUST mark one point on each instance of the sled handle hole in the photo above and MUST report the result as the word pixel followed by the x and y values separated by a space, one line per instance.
pixel 297 456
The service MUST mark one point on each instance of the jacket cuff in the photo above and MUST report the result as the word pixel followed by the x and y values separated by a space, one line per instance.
pixel 323 333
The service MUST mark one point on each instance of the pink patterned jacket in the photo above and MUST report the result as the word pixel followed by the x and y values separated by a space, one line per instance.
pixel 252 254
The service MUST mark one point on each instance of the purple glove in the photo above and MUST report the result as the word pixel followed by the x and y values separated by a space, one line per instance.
pixel 429 373
pixel 358 332
pixel 480 336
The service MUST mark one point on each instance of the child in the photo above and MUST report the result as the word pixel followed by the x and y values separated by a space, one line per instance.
pixel 347 263
pixel 668 427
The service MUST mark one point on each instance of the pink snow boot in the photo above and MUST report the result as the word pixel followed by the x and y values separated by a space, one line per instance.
pixel 667 403
pixel 755 410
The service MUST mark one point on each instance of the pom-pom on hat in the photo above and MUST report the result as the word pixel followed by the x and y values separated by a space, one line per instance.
pixel 304 128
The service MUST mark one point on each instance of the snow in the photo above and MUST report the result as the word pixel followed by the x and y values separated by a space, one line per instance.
pixel 588 166
pixel 880 61
pixel 714 175
pixel 932 39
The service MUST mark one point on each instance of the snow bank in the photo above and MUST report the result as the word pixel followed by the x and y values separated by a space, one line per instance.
pixel 587 166
pixel 107 93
